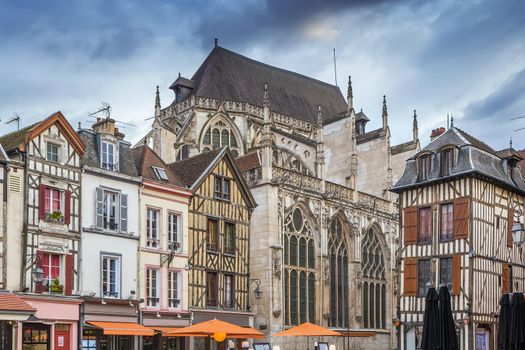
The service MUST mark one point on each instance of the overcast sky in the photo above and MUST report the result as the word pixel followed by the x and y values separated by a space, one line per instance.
pixel 466 58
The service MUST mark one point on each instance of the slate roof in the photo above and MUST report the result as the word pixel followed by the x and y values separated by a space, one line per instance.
pixel 474 158
pixel 370 135
pixel 11 141
pixel 91 156
pixel 190 169
pixel 226 75
pixel 361 116
pixel 12 302
pixel 145 159
pixel 403 147
pixel 248 161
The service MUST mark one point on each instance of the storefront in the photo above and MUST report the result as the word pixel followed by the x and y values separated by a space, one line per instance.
pixel 162 323
pixel 12 310
pixel 53 325
pixel 111 324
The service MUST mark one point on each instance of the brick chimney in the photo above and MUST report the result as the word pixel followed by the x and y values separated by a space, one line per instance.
pixel 436 133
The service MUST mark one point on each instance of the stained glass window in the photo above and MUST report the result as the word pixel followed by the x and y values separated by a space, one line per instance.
pixel 337 248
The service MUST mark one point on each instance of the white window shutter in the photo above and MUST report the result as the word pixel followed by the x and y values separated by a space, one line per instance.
pixel 123 212
pixel 100 208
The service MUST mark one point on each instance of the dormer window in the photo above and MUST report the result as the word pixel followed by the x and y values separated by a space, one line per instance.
pixel 53 152
pixel 447 161
pixel 160 173
pixel 108 156
pixel 424 167
pixel 360 128
pixel 178 94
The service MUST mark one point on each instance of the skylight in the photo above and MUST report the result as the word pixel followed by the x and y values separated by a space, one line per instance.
pixel 160 173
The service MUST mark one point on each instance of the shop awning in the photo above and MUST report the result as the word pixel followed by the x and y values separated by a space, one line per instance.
pixel 165 330
pixel 123 328
pixel 211 327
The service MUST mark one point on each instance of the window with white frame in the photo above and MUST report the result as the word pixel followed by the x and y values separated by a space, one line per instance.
pixel 173 289
pixel 53 204
pixel 174 228
pixel 52 152
pixel 110 279
pixel 108 157
pixel 111 210
pixel 52 266
pixel 222 188
pixel 160 173
pixel 228 291
pixel 152 228
pixel 152 288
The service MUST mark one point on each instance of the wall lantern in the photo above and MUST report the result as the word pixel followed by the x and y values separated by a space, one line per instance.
pixel 257 291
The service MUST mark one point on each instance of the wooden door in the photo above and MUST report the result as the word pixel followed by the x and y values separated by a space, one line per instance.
pixel 62 337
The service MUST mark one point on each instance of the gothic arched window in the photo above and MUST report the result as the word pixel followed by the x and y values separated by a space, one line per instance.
pixel 220 134
pixel 299 269
pixel 184 152
pixel 337 248
pixel 374 282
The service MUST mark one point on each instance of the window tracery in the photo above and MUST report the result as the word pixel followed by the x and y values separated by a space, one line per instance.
pixel 220 134
pixel 338 250
pixel 299 269
pixel 374 282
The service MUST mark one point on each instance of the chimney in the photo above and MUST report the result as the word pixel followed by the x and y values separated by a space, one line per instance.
pixel 107 126
pixel 436 133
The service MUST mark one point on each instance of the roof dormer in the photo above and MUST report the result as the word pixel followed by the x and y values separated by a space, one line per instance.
pixel 182 87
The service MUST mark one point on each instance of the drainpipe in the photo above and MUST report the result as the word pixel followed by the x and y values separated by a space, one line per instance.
pixel 24 227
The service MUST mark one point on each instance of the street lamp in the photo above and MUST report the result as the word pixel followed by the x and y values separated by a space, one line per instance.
pixel 518 233
pixel 38 274
pixel 257 292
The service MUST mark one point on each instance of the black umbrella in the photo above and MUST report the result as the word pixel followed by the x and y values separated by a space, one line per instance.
pixel 517 320
pixel 430 338
pixel 504 323
pixel 447 330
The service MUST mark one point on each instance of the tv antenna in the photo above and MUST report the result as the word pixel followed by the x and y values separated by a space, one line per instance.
pixel 519 117
pixel 16 118
pixel 104 108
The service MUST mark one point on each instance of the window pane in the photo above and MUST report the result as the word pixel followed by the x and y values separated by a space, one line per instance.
pixel 225 138
pixel 302 252
pixel 216 139
pixel 447 223
pixel 293 298
pixel 303 299
pixel 425 225
pixel 293 250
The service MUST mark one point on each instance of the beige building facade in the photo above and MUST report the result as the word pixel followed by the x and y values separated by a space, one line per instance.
pixel 324 233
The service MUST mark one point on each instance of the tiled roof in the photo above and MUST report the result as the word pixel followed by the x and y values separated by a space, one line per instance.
pixel 226 75
pixel 145 159
pixel 190 169
pixel 12 302
pixel 91 157
pixel 12 140
pixel 474 157
pixel 248 161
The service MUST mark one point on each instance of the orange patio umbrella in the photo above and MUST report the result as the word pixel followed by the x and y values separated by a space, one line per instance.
pixel 211 327
pixel 308 330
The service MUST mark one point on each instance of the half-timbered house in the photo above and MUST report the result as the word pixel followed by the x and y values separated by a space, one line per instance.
pixel 45 179
pixel 219 233
pixel 458 200
pixel 163 249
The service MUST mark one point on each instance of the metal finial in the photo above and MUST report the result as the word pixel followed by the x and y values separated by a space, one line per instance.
pixel 216 41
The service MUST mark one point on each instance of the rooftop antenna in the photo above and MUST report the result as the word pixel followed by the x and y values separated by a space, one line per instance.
pixel 104 108
pixel 335 69
pixel 16 118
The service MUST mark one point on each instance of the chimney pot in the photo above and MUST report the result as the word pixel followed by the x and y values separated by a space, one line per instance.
pixel 436 132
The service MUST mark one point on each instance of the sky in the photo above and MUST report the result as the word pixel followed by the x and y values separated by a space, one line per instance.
pixel 464 58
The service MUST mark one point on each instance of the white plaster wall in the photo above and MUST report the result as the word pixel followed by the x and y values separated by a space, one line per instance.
pixel 94 244
pixel 15 222
pixel 372 167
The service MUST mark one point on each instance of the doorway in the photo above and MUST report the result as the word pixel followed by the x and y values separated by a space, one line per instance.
pixel 62 337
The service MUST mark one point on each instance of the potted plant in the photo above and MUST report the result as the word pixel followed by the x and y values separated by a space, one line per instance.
pixel 56 216
pixel 55 286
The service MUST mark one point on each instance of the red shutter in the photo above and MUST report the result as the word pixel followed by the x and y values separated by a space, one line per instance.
pixel 505 278
pixel 410 276
pixel 510 223
pixel 456 274
pixel 461 218
pixel 42 202
pixel 39 286
pixel 68 287
pixel 67 207
pixel 410 225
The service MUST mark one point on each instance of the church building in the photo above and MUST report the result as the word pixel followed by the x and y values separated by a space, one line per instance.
pixel 324 233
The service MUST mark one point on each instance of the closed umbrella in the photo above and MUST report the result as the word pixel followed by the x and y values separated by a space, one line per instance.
pixel 447 330
pixel 430 338
pixel 517 320
pixel 504 323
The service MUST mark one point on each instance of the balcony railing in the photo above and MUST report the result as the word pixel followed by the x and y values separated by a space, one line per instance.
pixel 174 302
pixel 153 302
